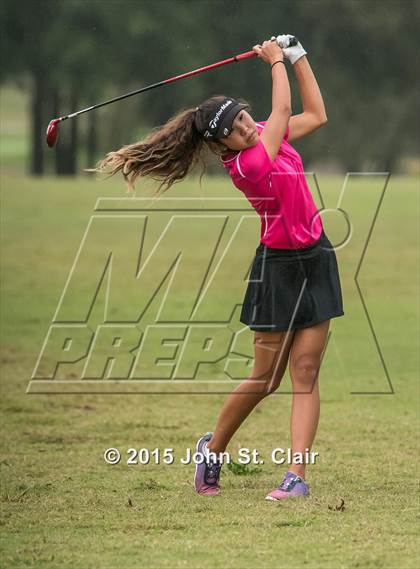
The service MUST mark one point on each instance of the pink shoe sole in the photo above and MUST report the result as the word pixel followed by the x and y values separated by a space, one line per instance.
pixel 209 491
pixel 278 495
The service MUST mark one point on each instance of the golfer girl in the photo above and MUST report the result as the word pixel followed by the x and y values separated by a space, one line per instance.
pixel 294 286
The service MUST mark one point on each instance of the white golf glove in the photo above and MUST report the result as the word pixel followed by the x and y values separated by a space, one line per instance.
pixel 292 53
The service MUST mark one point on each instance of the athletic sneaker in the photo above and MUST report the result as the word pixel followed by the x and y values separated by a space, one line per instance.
pixel 291 486
pixel 207 473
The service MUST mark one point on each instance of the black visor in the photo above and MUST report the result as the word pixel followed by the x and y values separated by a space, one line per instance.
pixel 220 124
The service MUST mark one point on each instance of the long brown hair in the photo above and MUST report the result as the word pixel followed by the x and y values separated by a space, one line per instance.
pixel 169 152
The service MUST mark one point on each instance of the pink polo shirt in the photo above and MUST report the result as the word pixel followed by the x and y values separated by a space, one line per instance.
pixel 278 191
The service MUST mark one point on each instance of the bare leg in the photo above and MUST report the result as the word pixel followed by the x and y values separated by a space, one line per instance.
pixel 305 360
pixel 271 354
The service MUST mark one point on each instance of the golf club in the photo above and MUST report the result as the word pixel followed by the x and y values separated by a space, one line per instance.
pixel 52 129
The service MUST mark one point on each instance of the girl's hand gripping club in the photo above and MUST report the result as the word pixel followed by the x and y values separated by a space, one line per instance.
pixel 292 48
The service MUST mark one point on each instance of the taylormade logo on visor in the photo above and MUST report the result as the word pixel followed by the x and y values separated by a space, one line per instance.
pixel 215 120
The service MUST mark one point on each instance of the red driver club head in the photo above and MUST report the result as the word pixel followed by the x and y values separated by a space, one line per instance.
pixel 52 132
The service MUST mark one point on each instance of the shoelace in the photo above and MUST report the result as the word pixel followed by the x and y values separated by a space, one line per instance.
pixel 212 472
pixel 289 484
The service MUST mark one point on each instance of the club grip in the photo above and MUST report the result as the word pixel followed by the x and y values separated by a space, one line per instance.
pixel 245 55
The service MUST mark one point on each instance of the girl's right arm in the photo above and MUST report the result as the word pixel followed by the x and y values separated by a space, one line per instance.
pixel 277 123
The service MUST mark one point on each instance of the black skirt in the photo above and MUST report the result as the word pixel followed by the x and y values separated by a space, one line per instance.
pixel 292 288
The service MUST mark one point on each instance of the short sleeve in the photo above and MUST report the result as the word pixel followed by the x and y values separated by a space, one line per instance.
pixel 254 164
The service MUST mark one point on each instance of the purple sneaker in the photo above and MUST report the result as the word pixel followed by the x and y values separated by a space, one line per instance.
pixel 207 473
pixel 291 486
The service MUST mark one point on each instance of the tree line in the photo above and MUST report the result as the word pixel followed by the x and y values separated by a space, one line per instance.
pixel 70 54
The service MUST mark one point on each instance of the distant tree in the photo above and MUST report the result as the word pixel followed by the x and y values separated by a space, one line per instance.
pixel 79 52
pixel 27 52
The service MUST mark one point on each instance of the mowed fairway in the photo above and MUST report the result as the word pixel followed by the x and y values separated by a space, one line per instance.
pixel 62 506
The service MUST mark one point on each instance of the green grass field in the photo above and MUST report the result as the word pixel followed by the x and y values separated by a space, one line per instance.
pixel 62 506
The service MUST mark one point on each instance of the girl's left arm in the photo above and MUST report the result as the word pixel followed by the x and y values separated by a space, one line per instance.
pixel 313 115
